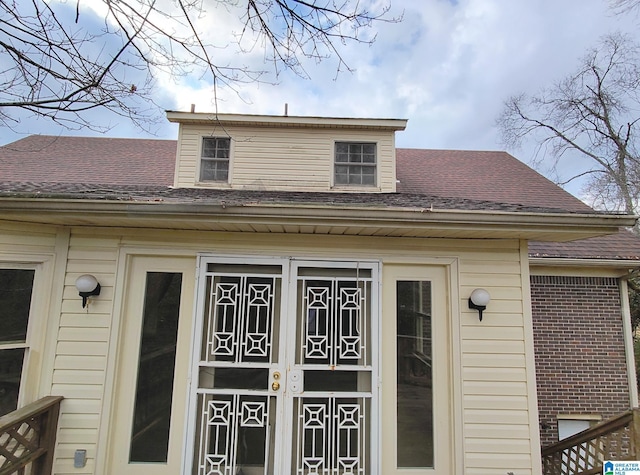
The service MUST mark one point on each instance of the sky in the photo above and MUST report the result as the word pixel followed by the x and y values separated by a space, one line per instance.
pixel 447 67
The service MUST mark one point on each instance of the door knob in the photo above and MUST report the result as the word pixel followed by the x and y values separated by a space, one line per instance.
pixel 275 385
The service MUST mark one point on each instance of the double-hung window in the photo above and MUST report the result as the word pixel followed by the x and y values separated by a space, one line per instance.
pixel 355 163
pixel 15 306
pixel 214 163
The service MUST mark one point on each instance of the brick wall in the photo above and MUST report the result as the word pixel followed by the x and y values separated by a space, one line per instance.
pixel 579 349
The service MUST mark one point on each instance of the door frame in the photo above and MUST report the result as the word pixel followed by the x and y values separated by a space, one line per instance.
pixel 447 449
pixel 136 267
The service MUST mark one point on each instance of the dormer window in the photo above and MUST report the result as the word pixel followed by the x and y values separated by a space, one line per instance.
pixel 355 163
pixel 214 163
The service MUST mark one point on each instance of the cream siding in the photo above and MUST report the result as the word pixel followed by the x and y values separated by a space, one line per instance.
pixel 497 391
pixel 286 159
pixel 491 370
pixel 83 343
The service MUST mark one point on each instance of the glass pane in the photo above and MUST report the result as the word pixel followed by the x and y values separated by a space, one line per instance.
pixel 368 180
pixel 342 148
pixel 214 170
pixel 234 378
pixel 10 372
pixel 216 147
pixel 336 381
pixel 154 388
pixel 15 303
pixel 414 357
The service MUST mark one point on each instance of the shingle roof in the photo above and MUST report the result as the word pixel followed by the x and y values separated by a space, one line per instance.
pixel 138 169
pixel 491 176
pixel 96 191
pixel 47 158
pixel 623 245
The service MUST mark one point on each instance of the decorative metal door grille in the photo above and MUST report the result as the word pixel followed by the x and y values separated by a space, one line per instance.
pixel 234 433
pixel 335 312
pixel 284 347
pixel 331 436
pixel 240 318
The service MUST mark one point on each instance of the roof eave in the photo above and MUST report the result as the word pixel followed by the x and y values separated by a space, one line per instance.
pixel 315 219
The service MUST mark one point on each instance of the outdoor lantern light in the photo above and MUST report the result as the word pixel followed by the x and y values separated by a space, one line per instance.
pixel 479 300
pixel 87 286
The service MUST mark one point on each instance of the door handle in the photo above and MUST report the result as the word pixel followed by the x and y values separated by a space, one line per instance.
pixel 275 385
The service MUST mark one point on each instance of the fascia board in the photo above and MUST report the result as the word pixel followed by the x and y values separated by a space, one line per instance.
pixel 584 262
pixel 288 121
pixel 573 226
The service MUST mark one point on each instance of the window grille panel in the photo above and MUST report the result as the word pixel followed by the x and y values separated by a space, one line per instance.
pixel 240 318
pixel 334 315
pixel 331 436
pixel 236 434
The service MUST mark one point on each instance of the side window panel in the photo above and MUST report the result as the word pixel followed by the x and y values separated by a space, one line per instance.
pixel 15 305
pixel 414 390
pixel 156 365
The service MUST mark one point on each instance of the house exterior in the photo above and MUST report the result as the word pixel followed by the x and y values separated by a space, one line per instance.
pixel 292 295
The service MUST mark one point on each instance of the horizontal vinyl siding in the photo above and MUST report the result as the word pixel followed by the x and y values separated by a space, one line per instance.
pixel 496 390
pixel 82 347
pixel 27 239
pixel 297 159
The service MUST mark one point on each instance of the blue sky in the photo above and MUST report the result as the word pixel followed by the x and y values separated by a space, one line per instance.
pixel 447 68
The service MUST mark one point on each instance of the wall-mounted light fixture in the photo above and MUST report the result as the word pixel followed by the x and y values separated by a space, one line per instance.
pixel 87 286
pixel 479 300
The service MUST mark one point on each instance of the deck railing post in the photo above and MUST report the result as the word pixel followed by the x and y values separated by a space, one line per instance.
pixel 29 437
pixel 44 465
pixel 635 435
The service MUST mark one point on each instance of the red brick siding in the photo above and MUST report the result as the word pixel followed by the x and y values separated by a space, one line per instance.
pixel 579 349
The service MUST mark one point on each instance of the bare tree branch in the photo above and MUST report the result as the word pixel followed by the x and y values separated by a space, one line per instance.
pixel 592 114
pixel 56 64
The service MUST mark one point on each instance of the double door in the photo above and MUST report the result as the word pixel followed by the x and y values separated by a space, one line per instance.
pixel 284 368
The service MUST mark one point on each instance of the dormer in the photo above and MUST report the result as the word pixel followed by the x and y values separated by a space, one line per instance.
pixel 283 153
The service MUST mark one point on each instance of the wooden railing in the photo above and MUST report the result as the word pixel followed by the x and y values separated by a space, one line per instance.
pixel 616 439
pixel 28 436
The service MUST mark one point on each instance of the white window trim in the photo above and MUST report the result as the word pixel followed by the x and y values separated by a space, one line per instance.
pixel 592 419
pixel 38 315
pixel 355 188
pixel 212 183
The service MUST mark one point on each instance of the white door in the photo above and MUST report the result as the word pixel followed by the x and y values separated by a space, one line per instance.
pixel 284 368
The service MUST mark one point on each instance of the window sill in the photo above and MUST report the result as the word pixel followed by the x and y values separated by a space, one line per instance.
pixel 356 188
